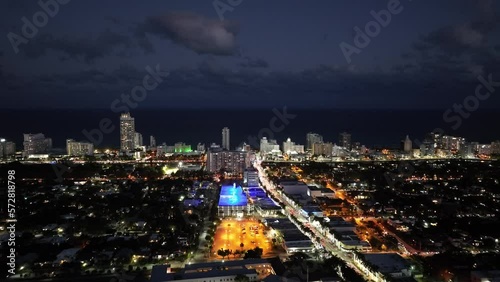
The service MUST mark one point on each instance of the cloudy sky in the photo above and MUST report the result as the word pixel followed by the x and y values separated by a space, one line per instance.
pixel 248 53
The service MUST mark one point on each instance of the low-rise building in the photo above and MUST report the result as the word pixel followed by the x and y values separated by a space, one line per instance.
pixel 383 265
pixel 254 269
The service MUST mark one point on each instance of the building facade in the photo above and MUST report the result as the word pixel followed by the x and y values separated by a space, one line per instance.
pixel 290 147
pixel 138 140
pixel 312 138
pixel 36 144
pixel 268 146
pixel 226 139
pixel 322 149
pixel 251 177
pixel 152 141
pixel 232 162
pixel 7 148
pixel 345 140
pixel 407 145
pixel 127 132
pixel 74 148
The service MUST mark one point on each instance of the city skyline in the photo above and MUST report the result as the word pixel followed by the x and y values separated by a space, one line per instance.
pixel 250 140
pixel 129 138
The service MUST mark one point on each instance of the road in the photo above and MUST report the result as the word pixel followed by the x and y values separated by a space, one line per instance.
pixel 326 243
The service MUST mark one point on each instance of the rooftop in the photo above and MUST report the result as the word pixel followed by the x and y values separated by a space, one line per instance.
pixel 207 270
pixel 232 195
pixel 387 263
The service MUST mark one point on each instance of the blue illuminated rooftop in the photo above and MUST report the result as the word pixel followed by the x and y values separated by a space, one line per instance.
pixel 231 195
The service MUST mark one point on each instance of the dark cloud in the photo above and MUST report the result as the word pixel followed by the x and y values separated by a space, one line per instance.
pixel 86 49
pixel 456 51
pixel 115 20
pixel 200 34
pixel 254 63
pixel 210 85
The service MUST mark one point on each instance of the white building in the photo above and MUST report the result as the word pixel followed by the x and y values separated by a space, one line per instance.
pixel 137 140
pixel 290 147
pixel 268 146
pixel 226 139
pixel 127 132
pixel 74 148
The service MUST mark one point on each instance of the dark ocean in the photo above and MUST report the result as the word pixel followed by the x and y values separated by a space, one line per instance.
pixel 373 128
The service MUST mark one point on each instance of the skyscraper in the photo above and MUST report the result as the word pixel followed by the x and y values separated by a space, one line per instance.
pixel 152 141
pixel 313 138
pixel 7 148
pixel 137 139
pixel 345 140
pixel 36 144
pixel 407 145
pixel 225 139
pixel 127 132
pixel 230 161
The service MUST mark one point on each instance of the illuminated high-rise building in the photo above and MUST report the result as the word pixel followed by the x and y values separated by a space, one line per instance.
pixel 407 145
pixel 495 148
pixel 451 143
pixel 322 149
pixel 36 144
pixel 200 147
pixel 313 138
pixel 74 148
pixel 152 141
pixel 230 161
pixel 137 140
pixel 345 140
pixel 127 132
pixel 7 148
pixel 226 139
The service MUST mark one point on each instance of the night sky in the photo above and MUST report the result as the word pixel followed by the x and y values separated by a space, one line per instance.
pixel 262 54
